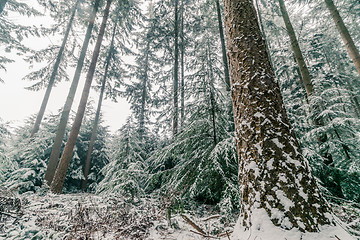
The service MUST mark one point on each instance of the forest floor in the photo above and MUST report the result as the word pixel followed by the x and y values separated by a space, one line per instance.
pixel 89 216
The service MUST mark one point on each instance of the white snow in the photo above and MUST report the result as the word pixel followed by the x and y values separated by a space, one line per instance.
pixel 263 229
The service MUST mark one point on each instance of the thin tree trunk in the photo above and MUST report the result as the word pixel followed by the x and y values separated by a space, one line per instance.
pixel 344 33
pixel 2 5
pixel 212 97
pixel 176 72
pixel 305 75
pixel 56 148
pixel 276 182
pixel 144 92
pixel 53 74
pixel 98 111
pixel 306 79
pixel 59 178
pixel 182 53
pixel 223 46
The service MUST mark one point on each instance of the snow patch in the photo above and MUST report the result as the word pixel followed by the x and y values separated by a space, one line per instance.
pixel 262 228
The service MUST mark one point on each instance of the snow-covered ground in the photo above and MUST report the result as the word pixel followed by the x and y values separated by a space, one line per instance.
pixel 88 216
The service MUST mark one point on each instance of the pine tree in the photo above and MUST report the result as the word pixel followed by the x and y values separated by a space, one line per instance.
pixel 12 34
pixel 6 165
pixel 54 157
pixel 126 173
pixel 54 72
pixel 26 162
pixel 176 71
pixel 275 180
pixel 200 163
pixel 59 177
pixel 223 46
pixel 98 110
pixel 345 35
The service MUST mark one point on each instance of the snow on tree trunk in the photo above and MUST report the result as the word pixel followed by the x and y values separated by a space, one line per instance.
pixel 56 148
pixel 59 177
pixel 280 199
pixel 344 33
pixel 40 115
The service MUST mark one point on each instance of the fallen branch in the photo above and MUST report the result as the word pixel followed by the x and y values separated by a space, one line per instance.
pixel 7 214
pixel 204 235
pixel 189 221
pixel 211 217
pixel 225 234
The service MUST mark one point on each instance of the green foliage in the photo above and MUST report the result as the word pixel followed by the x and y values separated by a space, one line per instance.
pixel 12 34
pixel 196 167
pixel 30 156
pixel 327 124
pixel 126 173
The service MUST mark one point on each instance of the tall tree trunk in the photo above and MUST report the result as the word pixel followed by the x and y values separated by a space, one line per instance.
pixel 53 74
pixel 305 75
pixel 56 148
pixel 144 91
pixel 223 46
pixel 344 33
pixel 306 79
pixel 2 5
pixel 98 111
pixel 182 60
pixel 279 193
pixel 58 181
pixel 176 72
pixel 212 97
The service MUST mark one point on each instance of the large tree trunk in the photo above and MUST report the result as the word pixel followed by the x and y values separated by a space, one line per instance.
pixel 56 148
pixel 223 46
pixel 280 198
pixel 98 111
pixel 176 72
pixel 58 181
pixel 344 33
pixel 53 74
pixel 2 5
pixel 304 71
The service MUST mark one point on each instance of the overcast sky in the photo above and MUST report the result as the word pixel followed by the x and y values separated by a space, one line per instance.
pixel 17 103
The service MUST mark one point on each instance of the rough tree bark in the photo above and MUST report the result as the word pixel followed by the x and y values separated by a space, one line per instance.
pixel 59 177
pixel 280 198
pixel 176 72
pixel 344 33
pixel 98 111
pixel 56 148
pixel 41 112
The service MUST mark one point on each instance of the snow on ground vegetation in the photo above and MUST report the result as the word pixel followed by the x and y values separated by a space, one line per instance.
pixel 89 216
